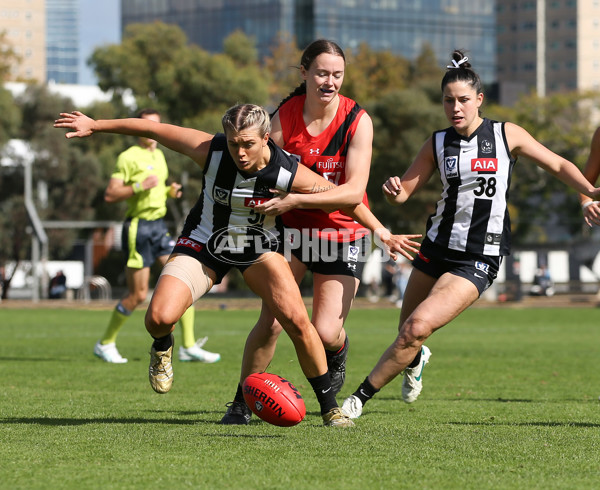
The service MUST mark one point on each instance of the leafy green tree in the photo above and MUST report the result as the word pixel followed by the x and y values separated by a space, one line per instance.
pixel 180 80
pixel 10 116
pixel 544 210
pixel 241 49
pixel 8 57
pixel 139 62
pixel 402 122
pixel 65 180
pixel 73 177
pixel 425 68
pixel 283 65
pixel 371 75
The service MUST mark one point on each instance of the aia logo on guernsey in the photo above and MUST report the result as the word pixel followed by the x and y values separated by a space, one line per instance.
pixel 251 202
pixel 484 165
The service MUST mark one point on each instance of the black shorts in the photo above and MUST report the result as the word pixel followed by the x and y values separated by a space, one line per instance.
pixel 434 261
pixel 329 257
pixel 222 262
pixel 144 241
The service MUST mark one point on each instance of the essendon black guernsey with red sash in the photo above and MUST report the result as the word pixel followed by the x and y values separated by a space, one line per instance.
pixel 472 215
pixel 223 218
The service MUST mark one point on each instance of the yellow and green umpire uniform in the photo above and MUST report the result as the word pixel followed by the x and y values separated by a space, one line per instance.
pixel 145 235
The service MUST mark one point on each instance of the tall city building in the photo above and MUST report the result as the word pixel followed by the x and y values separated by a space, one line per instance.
pixel 547 46
pixel 24 24
pixel 62 40
pixel 400 26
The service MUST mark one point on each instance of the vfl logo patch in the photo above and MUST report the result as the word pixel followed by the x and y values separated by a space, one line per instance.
pixel 221 195
pixel 486 147
pixel 484 165
pixel 482 266
pixel 353 254
pixel 451 167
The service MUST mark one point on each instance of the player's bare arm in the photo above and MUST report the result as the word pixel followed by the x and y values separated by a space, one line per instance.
pixel 351 192
pixel 522 143
pixel 305 182
pixel 191 142
pixel 591 171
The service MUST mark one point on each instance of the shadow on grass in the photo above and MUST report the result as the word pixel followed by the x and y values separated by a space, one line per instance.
pixel 69 359
pixel 528 424
pixel 59 421
pixel 492 400
pixel 66 422
pixel 41 359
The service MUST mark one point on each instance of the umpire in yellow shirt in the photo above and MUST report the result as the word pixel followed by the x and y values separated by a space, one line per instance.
pixel 140 179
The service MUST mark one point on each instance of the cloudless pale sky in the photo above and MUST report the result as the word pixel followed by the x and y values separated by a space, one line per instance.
pixel 100 24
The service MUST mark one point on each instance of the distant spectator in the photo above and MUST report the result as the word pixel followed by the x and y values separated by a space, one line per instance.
pixel 58 286
pixel 542 282
pixel 388 272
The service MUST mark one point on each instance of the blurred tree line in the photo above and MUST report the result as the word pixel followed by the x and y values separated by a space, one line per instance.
pixel 192 87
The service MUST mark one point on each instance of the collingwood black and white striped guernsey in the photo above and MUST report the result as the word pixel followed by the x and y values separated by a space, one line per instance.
pixel 224 216
pixel 472 215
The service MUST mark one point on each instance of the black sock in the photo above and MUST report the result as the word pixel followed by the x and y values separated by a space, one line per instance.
pixel 162 343
pixel 333 353
pixel 239 395
pixel 325 395
pixel 415 362
pixel 365 391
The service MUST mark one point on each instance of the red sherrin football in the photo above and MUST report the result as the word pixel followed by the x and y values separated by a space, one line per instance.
pixel 274 399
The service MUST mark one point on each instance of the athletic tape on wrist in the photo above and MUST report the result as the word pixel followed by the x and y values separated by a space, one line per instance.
pixel 587 204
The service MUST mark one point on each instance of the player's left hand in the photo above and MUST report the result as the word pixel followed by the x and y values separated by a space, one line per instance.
pixel 591 213
pixel 281 203
pixel 402 244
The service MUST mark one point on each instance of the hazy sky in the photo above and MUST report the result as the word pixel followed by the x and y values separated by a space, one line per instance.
pixel 100 23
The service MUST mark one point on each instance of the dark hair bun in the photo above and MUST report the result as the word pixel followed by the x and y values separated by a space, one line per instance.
pixel 459 60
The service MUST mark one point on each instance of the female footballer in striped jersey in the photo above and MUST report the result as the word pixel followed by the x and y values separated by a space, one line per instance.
pixel 240 167
pixel 469 232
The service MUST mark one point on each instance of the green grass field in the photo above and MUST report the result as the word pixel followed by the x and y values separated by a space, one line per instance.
pixel 510 400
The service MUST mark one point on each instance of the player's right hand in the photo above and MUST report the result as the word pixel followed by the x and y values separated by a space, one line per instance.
pixel 81 124
pixel 392 188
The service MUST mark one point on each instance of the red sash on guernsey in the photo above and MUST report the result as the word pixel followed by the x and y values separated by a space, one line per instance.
pixel 324 154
